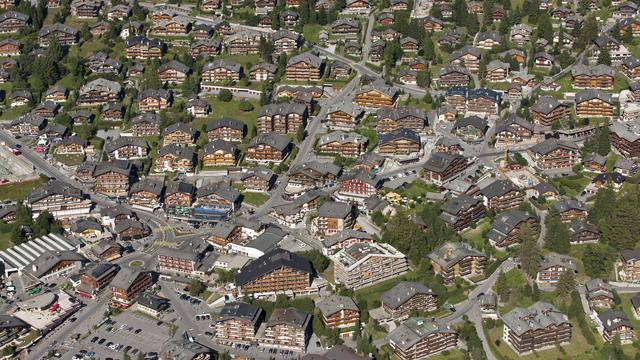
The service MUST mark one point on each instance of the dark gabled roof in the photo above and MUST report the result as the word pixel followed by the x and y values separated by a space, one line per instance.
pixel 221 189
pixel 335 303
pixel 126 276
pixel 143 40
pixel 147 185
pixel 460 203
pixel 498 188
pixel 552 144
pixel 590 94
pixel 179 187
pixel 614 318
pixel 282 109
pixel 219 144
pixel 475 121
pixel 31 118
pixel 403 291
pixel 225 122
pixel 125 224
pixel 274 140
pixel 335 209
pixel 175 65
pixel 510 120
pixel 46 31
pixel 569 204
pixel 221 63
pixel 291 316
pixel 307 58
pixel 440 161
pixel 146 118
pixel 179 126
pixel 401 133
pixel 273 260
pixel 54 187
pixel 241 311
pixel 155 93
pixel 180 152
pixel 125 141
pixel 464 51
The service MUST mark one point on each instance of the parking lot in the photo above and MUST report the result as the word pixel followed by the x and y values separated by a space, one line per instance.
pixel 130 331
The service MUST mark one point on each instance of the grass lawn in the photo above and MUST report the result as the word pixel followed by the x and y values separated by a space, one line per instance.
pixel 11 113
pixel 17 191
pixel 611 161
pixel 254 198
pixel 329 273
pixel 51 14
pixel 136 263
pixel 417 189
pixel 311 32
pixel 474 236
pixel 572 185
pixel 578 349
pixel 92 46
pixel 452 354
pixel 243 59
pixel 70 159
pixel 5 241
pixel 230 109
pixel 620 83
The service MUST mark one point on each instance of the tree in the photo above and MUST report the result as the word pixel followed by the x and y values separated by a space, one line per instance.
pixel 566 284
pixel 196 287
pixel 319 261
pixel 225 95
pixel 530 253
pixel 558 236
pixel 428 48
pixel 300 133
pixel 535 292
pixel 378 218
pixel 42 225
pixel 245 106
pixel 604 57
pixel 502 287
pixel 545 29
pixel 520 159
pixel 596 260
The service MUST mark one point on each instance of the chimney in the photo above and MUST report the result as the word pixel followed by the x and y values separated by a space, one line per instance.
pixel 34 267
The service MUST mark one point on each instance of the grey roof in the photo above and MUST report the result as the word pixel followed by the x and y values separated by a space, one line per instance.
pixel 120 167
pixel 624 163
pixel 546 104
pixel 46 31
pixel 179 187
pixel 511 120
pixel 221 189
pixel 596 285
pixel 614 318
pixel 335 303
pixel 538 316
pixel 285 34
pixel 498 188
pixel 290 316
pixel 80 225
pixel 102 85
pixel 440 161
pixel 125 141
pixel 401 133
pixel 104 245
pixel 268 240
pixel 628 130
pixel 125 224
pixel 264 66
pixel 414 330
pixel 274 140
pixel 175 65
pixel 294 206
pixel 342 138
pixel 31 118
pixel 14 15
pixel 451 252
pixel 590 94
pixel 497 64
pixel 148 185
pixel 569 204
pixel 595 157
pixel 402 292
pixel 552 144
pixel 225 122
pixel 180 152
pixel 475 121
pixel 153 301
pixel 380 86
pixel 221 63
pixel 630 254
pixel 553 259
pixel 241 311
pixel 464 51
pixel 453 68
pixel 49 259
pixel 154 93
pixel 592 70
pixel 179 126
pixel 346 21
pixel 308 58
pixel 401 112
pixel 271 261
pixel 54 187
pixel 261 172
pixel 219 144
pixel 115 211
pixel 335 209
pixel 143 40
pixel 505 222
pixel 343 235
pixel 489 35
pixel 8 321
pixel 578 226
pixel 21 93
pixel 222 229
pixel 126 276
pixel 282 109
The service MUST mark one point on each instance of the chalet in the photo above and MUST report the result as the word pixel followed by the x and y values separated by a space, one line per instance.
pixel 614 326
pixel 483 101
pixel 179 194
pixel 397 5
pixel 101 63
pixel 443 167
pixel 593 102
pixel 85 9
pixel 264 6
pixel 20 97
pixel 259 179
pixel 513 130
pixel 418 64
pixel 631 67
pixel 625 137
pixel 304 67
pixel 154 99
pixel 130 229
pixel 206 48
pixel 570 210
pixel 547 110
pixel 599 294
pixel 201 32
pixel 399 142
pixel 285 41
pixel 65 35
pixel 47 109
pixel 555 154
pixel 12 21
pixel 506 228
pixel 339 70
pixel 145 124
pixel 352 48
pixel 560 13
pixel 488 39
pixel 376 95
pixel 313 174
pixel 386 18
pixel 131 28
pixel 81 117
pixel 358 6
pixel 99 91
pixel 127 148
pixel 146 193
pixel 542 59
pixel 244 42
pixel 612 180
pixel 595 162
pixel 407 117
pixel 221 71
pixel 225 129
pixel 626 10
pixel 502 195
pixel 269 147
pixel 399 301
pixel 625 167
pixel 407 77
pixel 179 133
pixel 343 116
pixel 582 232
pixel 350 145
pixel 617 51
pixel 219 152
pixel 281 118
pixel 174 157
pixel 420 337
pixel 461 212
pixel 27 124
pixel 211 5
pixel 597 76
pixel 457 259
pixel 175 26
pixel 521 33
pixel 339 312
pixel 630 25
pixel 471 129
pixel 552 267
pixel 535 328
pixel 173 72
pixel 432 24
pixel 140 47
pixel 289 18
pixel 119 12
pixel 216 201
pixel 10 47
pixel 498 13
pixel 453 76
pixel 497 71
pixel 112 178
pixel 197 107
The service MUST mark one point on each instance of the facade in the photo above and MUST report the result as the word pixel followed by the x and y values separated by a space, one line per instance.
pixel 507 227
pixel 552 267
pixel 443 167
pixel 282 118
pixel 418 338
pixel 364 264
pixel 536 328
pixel 628 265
pixel 614 324
pixel 60 199
pixel 594 102
pixel 462 211
pixel 286 329
pixel 548 110
pixel 456 259
pixel 555 154
pixel 127 285
pixel 238 323
pixel 406 297
pixel 502 195
pixel 338 312
pixel 332 218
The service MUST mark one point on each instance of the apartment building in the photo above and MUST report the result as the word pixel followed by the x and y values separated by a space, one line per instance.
pixel 461 212
pixel 338 312
pixel 457 259
pixel 127 285
pixel 238 323
pixel 552 266
pixel 419 337
pixel 60 199
pixel 538 327
pixel 407 296
pixel 553 153
pixel 364 264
